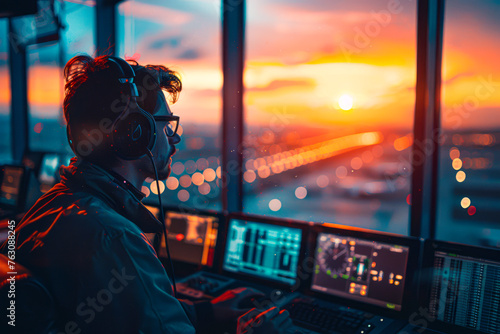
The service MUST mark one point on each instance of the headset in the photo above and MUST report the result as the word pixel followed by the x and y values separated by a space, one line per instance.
pixel 133 134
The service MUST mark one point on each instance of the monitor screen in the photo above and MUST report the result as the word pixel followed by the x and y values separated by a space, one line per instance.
pixel 361 270
pixel 191 238
pixel 11 182
pixel 465 291
pixel 49 168
pixel 263 250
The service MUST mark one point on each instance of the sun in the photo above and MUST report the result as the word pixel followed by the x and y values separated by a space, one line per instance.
pixel 346 102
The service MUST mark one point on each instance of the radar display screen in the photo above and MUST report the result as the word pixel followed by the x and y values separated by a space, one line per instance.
pixel 263 250
pixel 361 270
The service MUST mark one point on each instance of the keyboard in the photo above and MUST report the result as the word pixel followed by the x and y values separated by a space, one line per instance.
pixel 337 319
pixel 203 285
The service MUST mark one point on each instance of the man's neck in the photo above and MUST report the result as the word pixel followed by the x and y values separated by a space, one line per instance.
pixel 131 174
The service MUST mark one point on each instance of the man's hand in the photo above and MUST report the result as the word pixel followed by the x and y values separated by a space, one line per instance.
pixel 227 307
pixel 270 321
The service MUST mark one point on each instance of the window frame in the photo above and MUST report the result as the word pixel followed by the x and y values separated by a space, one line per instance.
pixel 430 25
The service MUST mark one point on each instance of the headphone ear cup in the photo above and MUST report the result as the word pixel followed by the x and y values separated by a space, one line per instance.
pixel 133 135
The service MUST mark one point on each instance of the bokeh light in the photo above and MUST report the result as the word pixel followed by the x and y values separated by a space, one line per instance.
pixel 322 181
pixel 185 181
pixel 249 176
pixel 209 174
pixel 198 179
pixel 465 202
pixel 154 190
pixel 460 176
pixel 457 163
pixel 275 204
pixel 145 191
pixel 172 183
pixel 204 189
pixel 301 192
pixel 183 195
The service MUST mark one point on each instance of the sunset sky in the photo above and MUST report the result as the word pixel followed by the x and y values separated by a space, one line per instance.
pixel 301 56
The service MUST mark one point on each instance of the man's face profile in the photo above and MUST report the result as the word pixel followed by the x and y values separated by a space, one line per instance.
pixel 165 146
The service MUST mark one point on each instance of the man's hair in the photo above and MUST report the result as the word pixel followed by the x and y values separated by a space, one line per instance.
pixel 94 98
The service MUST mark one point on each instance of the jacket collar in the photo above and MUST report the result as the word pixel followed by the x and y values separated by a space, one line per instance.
pixel 113 189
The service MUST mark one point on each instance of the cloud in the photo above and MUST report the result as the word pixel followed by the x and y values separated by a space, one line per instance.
pixel 154 13
pixel 168 42
pixel 189 54
pixel 279 84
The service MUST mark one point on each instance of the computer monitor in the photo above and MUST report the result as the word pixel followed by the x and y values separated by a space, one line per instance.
pixel 463 287
pixel 49 168
pixel 192 237
pixel 10 188
pixel 263 249
pixel 365 268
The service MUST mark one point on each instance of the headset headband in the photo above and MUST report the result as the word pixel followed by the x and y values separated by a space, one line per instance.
pixel 127 74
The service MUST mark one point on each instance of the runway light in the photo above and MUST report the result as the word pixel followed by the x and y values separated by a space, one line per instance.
pixel 461 176
pixel 275 204
pixel 465 202
pixel 301 192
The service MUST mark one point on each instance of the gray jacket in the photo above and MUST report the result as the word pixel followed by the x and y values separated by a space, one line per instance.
pixel 85 240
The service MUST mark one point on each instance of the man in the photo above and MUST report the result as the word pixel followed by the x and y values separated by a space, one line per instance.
pixel 86 240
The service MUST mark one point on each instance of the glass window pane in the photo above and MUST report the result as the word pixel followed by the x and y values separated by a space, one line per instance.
pixel 469 165
pixel 47 130
pixel 329 103
pixel 168 33
pixel 5 140
pixel 79 33
pixel 47 127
